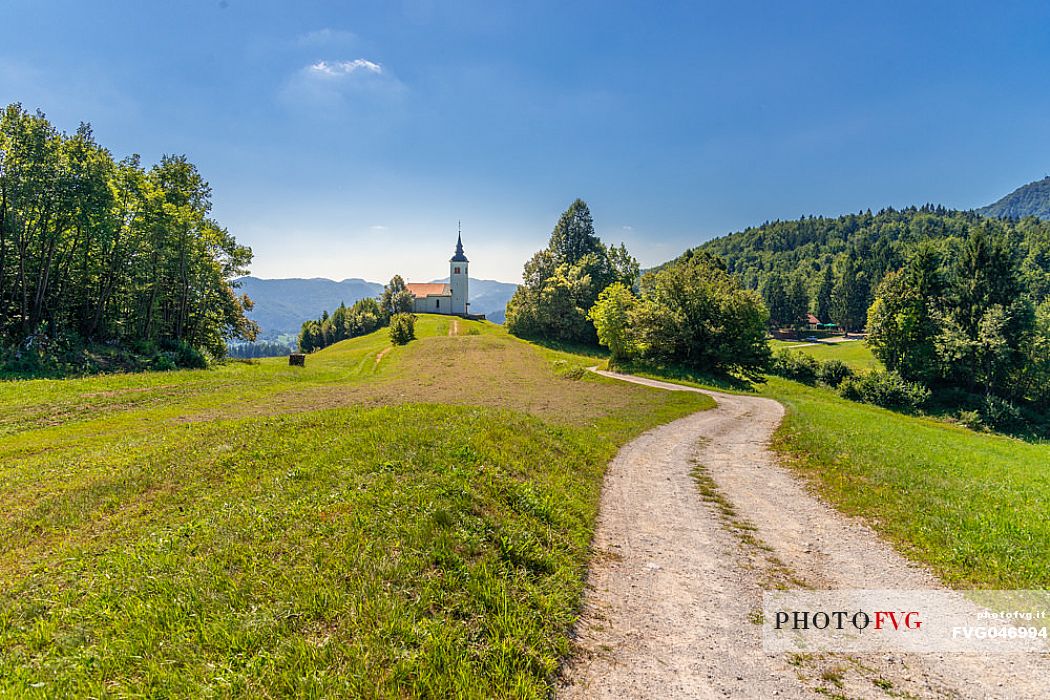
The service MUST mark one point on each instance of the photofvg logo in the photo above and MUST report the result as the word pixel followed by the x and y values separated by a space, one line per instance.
pixel 906 621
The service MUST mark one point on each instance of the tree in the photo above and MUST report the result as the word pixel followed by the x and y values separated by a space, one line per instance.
pixel 93 250
pixel 697 314
pixel 774 293
pixel 902 325
pixel 562 282
pixel 849 297
pixel 396 298
pixel 402 328
pixel 822 303
pixel 573 236
pixel 611 318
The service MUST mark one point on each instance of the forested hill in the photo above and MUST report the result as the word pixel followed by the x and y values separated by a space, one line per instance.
pixel 1031 200
pixel 853 252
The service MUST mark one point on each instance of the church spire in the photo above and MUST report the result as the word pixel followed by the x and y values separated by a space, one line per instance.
pixel 459 256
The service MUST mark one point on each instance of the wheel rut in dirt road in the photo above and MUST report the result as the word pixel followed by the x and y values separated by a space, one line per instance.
pixel 674 596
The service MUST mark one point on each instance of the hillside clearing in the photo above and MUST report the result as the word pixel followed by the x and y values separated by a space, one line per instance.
pixel 418 526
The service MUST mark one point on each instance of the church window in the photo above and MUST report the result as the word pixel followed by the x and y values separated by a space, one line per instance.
pixel 457 271
pixel 437 303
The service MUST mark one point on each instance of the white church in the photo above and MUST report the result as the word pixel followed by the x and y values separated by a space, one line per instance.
pixel 438 298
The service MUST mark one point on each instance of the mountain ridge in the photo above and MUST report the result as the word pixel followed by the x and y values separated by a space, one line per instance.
pixel 1032 199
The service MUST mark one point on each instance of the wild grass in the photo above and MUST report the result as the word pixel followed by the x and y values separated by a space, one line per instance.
pixel 412 526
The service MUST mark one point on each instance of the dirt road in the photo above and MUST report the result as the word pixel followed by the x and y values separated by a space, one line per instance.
pixel 681 562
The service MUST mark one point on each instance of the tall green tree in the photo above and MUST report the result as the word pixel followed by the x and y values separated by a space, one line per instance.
pixel 849 297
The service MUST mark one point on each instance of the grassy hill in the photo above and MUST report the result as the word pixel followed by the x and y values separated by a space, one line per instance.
pixel 385 522
pixel 1032 199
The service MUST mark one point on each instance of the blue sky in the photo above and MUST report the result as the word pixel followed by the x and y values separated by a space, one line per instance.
pixel 345 139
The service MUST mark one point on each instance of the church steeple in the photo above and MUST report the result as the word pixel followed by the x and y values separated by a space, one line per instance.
pixel 459 256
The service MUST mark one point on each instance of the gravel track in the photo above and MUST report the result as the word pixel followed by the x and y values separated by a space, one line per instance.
pixel 675 584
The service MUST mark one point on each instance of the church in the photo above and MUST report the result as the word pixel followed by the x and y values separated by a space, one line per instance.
pixel 438 298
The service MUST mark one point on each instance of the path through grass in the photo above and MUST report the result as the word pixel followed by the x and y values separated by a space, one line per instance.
pixel 413 527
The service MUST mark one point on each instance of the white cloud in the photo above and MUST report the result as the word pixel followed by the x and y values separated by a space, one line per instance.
pixel 339 68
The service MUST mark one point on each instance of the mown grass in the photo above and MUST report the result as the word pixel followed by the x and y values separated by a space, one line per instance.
pixel 385 522
pixel 973 506
pixel 854 353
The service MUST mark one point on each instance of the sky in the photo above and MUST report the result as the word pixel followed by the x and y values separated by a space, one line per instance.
pixel 347 139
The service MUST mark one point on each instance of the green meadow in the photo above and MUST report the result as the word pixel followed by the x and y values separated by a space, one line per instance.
pixel 409 521
pixel 854 353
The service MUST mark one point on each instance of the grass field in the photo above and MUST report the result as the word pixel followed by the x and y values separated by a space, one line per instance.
pixel 854 353
pixel 385 522
pixel 973 506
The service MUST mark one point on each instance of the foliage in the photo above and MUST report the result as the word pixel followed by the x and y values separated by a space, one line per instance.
pixel 100 251
pixel 396 299
pixel 696 314
pixel 402 328
pixel 886 389
pixel 816 248
pixel 611 317
pixel 563 281
pixel 958 317
pixel 260 348
pixel 794 365
pixel 362 318
pixel 833 372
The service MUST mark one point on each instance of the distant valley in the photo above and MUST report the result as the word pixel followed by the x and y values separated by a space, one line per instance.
pixel 282 305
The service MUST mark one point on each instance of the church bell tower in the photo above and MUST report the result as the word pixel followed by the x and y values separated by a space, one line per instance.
pixel 457 278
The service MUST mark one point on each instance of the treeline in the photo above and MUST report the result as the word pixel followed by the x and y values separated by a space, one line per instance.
pixel 691 312
pixel 259 348
pixel 99 251
pixel 364 317
pixel 960 316
pixel 831 267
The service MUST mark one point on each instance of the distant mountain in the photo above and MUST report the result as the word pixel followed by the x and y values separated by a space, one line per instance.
pixel 1031 200
pixel 281 305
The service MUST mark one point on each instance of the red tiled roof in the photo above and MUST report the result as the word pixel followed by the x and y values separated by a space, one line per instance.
pixel 810 318
pixel 425 289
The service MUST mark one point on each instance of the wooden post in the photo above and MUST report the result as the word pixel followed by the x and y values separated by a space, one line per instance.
pixel 297 359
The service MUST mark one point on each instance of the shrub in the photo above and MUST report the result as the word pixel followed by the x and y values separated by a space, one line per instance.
pixel 971 419
pixel 833 372
pixel 402 328
pixel 185 355
pixel 795 365
pixel 1000 413
pixel 886 389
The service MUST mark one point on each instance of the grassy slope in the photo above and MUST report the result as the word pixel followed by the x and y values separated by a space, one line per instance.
pixel 407 523
pixel 973 506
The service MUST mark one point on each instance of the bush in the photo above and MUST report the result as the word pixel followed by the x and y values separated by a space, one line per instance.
pixel 886 389
pixel 795 365
pixel 971 419
pixel 833 372
pixel 402 328
pixel 1000 413
pixel 185 355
